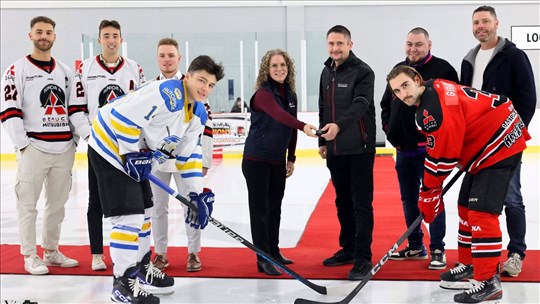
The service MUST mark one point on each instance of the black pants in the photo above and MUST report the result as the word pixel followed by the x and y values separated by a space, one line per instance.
pixel 352 176
pixel 94 215
pixel 266 187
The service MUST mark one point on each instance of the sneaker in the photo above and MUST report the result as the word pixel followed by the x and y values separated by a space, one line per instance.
pixel 512 266
pixel 438 260
pixel 98 262
pixel 160 261
pixel 409 254
pixel 341 257
pixel 193 263
pixel 128 290
pixel 56 258
pixel 34 265
pixel 455 277
pixel 489 290
pixel 152 279
pixel 359 270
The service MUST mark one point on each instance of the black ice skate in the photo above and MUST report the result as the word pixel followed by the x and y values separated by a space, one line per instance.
pixel 154 280
pixel 489 290
pixel 127 289
pixel 458 278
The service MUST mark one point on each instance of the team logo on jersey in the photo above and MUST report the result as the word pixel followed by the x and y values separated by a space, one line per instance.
pixel 53 99
pixel 10 74
pixel 109 93
pixel 428 121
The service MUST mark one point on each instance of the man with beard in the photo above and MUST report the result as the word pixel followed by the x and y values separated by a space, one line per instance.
pixel 34 112
pixel 97 81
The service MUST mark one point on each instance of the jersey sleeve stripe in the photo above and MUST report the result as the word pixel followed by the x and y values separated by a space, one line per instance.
pixel 11 113
pixel 75 109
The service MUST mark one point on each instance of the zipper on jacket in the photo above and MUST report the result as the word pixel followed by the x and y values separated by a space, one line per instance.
pixel 334 108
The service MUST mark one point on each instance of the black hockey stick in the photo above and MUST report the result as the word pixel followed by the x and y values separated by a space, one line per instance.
pixel 378 266
pixel 329 290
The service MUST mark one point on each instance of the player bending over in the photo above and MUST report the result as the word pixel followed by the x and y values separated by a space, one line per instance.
pixel 170 116
pixel 483 134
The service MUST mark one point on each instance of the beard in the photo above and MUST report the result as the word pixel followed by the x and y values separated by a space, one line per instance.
pixel 43 47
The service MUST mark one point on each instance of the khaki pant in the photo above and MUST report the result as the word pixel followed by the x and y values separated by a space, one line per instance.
pixel 35 169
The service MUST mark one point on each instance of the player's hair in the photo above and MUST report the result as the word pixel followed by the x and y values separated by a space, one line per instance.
pixel 207 64
pixel 340 29
pixel 43 19
pixel 419 30
pixel 111 23
pixel 486 8
pixel 405 69
pixel 264 69
pixel 168 41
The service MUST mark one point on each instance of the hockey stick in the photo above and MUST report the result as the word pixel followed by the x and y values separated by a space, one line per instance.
pixel 383 260
pixel 329 290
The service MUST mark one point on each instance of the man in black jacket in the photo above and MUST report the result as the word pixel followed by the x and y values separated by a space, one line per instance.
pixel 398 121
pixel 347 115
pixel 497 66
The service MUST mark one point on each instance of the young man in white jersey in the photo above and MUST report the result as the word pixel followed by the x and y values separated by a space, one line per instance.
pixel 97 81
pixel 168 59
pixel 37 117
pixel 162 120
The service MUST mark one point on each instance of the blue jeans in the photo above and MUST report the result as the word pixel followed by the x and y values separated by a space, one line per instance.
pixel 410 171
pixel 515 215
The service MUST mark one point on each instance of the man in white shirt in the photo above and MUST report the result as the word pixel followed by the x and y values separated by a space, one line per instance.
pixel 168 60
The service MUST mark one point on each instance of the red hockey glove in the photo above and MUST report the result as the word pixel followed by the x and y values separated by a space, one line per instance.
pixel 431 203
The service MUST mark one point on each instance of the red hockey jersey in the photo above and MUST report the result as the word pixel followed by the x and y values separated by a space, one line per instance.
pixel 466 127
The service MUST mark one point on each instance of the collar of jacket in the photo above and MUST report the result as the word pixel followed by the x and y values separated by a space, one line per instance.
pixel 330 62
pixel 421 63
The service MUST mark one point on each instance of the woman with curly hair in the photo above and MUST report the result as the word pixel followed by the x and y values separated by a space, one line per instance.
pixel 269 151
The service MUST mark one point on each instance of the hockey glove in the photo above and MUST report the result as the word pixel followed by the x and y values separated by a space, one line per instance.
pixel 165 148
pixel 138 165
pixel 198 219
pixel 431 203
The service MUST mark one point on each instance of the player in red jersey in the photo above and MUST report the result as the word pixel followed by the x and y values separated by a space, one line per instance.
pixel 478 132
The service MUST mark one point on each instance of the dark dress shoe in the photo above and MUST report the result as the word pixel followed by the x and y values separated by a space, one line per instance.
pixel 268 268
pixel 280 258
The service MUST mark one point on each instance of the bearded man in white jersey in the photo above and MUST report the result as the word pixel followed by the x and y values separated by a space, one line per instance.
pixel 36 114
pixel 98 80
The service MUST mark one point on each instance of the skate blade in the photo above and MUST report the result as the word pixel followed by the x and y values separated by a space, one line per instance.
pixel 459 285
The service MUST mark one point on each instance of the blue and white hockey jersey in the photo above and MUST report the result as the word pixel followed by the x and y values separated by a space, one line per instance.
pixel 141 119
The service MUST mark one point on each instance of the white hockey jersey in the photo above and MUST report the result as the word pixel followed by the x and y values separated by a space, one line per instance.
pixel 95 84
pixel 141 119
pixel 207 139
pixel 35 105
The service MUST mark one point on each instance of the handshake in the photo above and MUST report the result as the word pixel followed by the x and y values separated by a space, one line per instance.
pixel 139 164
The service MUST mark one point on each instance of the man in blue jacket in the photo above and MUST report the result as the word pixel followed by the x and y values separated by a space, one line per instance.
pixel 497 66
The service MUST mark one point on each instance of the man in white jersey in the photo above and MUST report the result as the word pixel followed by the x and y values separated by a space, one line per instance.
pixel 37 117
pixel 168 60
pixel 164 119
pixel 97 81
pixel 497 66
